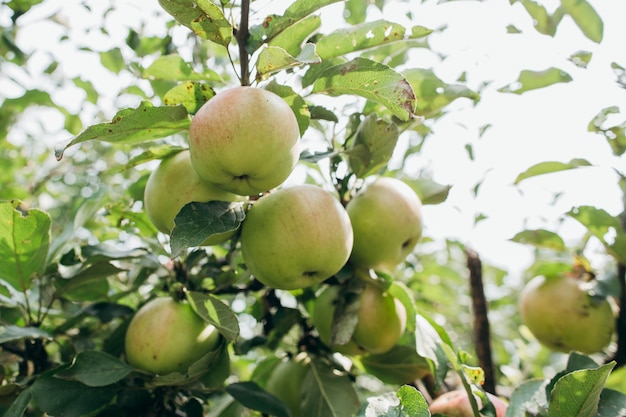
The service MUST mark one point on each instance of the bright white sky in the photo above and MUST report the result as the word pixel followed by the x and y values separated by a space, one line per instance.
pixel 546 124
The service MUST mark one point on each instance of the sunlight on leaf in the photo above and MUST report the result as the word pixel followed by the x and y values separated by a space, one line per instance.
pixel 274 58
pixel 371 80
pixel 203 17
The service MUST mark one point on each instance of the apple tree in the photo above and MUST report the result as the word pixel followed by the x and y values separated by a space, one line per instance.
pixel 224 218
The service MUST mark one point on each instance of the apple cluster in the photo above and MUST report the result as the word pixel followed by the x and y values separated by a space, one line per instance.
pixel 243 145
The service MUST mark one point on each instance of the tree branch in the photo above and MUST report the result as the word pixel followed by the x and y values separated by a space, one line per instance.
pixel 482 337
pixel 620 353
pixel 241 35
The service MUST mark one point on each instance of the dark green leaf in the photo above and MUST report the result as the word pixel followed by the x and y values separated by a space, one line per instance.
pixel 10 333
pixel 531 80
pixel 432 93
pixel 322 113
pixel 540 238
pixel 216 312
pixel 89 284
pixel 133 126
pixel 203 17
pixel 307 156
pixel 372 80
pixel 20 404
pixel 95 369
pixel 372 147
pixel 549 167
pixel 577 393
pixel 612 403
pixel 173 67
pixel 274 24
pixel 401 365
pixel 24 243
pixel 586 17
pixel 190 94
pixel 362 36
pixel 254 397
pixel 325 392
pixel 295 101
pixel 58 397
pixel 196 222
pixel 529 396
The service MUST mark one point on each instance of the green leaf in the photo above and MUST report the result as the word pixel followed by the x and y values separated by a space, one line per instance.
pixel 272 25
pixel 58 397
pixel 543 21
pixel 95 369
pixel 406 402
pixel 210 369
pixel 20 404
pixel 24 243
pixel 355 11
pixel 133 126
pixel 529 396
pixel 586 17
pixel 292 38
pixel 362 36
pixel 581 58
pixel 196 222
pixel 295 101
pixel 372 147
pixel 192 95
pixel 10 333
pixel 113 60
pixel 371 80
pixel 325 392
pixel 216 312
pixel 540 238
pixel 577 393
pixel 401 365
pixel 432 93
pixel 203 17
pixel 254 397
pixel 173 67
pixel 602 225
pixel 274 58
pixel 615 135
pixel 88 284
pixel 531 80
pixel 612 403
pixel 428 190
pixel 549 167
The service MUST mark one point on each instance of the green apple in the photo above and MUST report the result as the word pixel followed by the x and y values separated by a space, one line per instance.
pixel 175 183
pixel 166 336
pixel 244 140
pixel 296 237
pixel 285 382
pixel 456 403
pixel 560 312
pixel 381 320
pixel 386 217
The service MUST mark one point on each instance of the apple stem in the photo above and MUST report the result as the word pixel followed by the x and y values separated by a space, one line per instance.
pixel 242 36
pixel 482 336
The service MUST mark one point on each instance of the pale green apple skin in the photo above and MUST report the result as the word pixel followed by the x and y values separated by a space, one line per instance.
pixel 456 404
pixel 296 237
pixel 562 316
pixel 167 336
pixel 244 140
pixel 386 218
pixel 175 183
pixel 285 382
pixel 381 320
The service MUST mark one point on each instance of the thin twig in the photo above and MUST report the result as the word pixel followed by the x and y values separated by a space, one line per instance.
pixel 482 336
pixel 242 36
